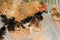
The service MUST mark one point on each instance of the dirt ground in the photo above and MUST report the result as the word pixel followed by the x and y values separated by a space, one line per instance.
pixel 58 24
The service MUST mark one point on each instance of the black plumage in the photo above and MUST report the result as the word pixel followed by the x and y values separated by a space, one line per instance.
pixel 38 13
pixel 2 32
pixel 4 19
pixel 11 24
pixel 27 20
pixel 38 16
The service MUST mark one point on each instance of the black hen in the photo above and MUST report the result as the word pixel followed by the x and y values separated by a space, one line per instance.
pixel 38 13
pixel 38 16
pixel 27 20
pixel 4 19
pixel 11 24
pixel 2 32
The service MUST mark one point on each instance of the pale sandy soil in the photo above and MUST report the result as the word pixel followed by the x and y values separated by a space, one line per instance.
pixel 32 33
pixel 19 35
pixel 58 24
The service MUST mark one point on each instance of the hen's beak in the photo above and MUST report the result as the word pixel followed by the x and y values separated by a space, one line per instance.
pixel 46 11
